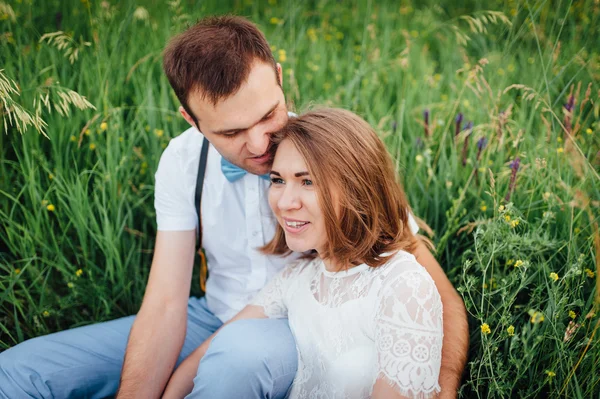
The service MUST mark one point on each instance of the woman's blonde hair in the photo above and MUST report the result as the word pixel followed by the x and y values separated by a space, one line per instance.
pixel 350 165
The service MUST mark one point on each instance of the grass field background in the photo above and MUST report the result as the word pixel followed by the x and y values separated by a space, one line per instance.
pixel 489 108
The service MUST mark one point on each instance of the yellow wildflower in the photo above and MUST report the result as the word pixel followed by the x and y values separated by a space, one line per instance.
pixel 103 126
pixel 559 139
pixel 50 176
pixel 339 35
pixel 550 373
pixel 576 230
pixel 159 132
pixel 51 208
pixel 147 128
pixel 87 132
pixel 419 158
pixel 510 330
pixel 510 68
pixel 588 130
pixel 519 263
pixel 73 138
pixel 560 150
pixel 70 284
pixel 572 314
pixel 546 195
pixel 485 328
pixel 282 55
pixel 437 77
pixel 536 317
pixel 501 208
pixel 510 262
pixel 17 271
pixel 483 208
pixel 45 313
pixel 514 223
pixel 79 272
pixel 589 273
pixel 507 218
pixel 121 139
pixel 448 184
pixel 554 276
pixel 328 37
pixel 274 20
pixel 92 146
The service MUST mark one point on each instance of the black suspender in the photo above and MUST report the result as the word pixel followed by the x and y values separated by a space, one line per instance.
pixel 197 202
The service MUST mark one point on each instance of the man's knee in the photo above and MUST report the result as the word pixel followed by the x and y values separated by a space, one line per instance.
pixel 235 349
pixel 248 359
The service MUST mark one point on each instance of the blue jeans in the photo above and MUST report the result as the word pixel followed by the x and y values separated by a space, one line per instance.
pixel 247 359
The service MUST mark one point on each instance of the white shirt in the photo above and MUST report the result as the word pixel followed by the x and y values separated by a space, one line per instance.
pixel 236 220
pixel 356 326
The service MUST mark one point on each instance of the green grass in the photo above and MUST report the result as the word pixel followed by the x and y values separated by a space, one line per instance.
pixel 87 260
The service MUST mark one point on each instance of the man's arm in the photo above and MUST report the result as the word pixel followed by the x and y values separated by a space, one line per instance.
pixel 456 328
pixel 159 329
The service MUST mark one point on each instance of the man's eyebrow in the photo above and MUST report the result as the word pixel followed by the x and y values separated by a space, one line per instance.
pixel 237 129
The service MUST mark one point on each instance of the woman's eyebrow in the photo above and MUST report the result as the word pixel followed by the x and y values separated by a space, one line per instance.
pixel 298 174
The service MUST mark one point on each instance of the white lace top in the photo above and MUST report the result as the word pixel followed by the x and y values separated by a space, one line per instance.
pixel 355 327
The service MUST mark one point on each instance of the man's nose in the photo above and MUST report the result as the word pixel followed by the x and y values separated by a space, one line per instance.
pixel 258 140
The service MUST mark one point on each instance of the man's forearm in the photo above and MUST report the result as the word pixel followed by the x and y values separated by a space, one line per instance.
pixel 455 345
pixel 456 328
pixel 154 344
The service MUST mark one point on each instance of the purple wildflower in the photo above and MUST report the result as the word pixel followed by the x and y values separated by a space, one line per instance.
pixel 481 143
pixel 458 120
pixel 426 118
pixel 567 122
pixel 570 104
pixel 514 165
pixel 466 144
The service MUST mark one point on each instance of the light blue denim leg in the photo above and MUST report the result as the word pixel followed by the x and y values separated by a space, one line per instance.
pixel 84 362
pixel 248 359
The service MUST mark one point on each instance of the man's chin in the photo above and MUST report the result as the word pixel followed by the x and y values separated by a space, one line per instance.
pixel 258 169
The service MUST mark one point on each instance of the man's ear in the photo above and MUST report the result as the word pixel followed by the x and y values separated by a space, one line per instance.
pixel 187 116
pixel 279 74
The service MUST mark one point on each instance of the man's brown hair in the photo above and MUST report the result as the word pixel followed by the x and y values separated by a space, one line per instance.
pixel 214 58
pixel 364 205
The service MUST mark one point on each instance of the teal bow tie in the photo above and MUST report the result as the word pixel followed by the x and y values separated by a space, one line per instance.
pixel 234 173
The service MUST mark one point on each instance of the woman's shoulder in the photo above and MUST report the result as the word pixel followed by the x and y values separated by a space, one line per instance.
pixel 402 268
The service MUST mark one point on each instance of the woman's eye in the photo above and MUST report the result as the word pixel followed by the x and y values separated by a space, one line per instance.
pixel 307 182
pixel 276 180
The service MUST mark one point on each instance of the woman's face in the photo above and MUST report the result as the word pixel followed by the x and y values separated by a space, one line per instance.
pixel 293 199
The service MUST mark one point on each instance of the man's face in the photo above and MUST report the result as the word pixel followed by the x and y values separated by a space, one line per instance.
pixel 241 125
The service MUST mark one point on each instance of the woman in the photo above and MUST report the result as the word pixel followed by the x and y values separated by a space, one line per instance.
pixel 367 318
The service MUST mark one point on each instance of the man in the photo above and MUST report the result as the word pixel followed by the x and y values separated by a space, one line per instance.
pixel 229 86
